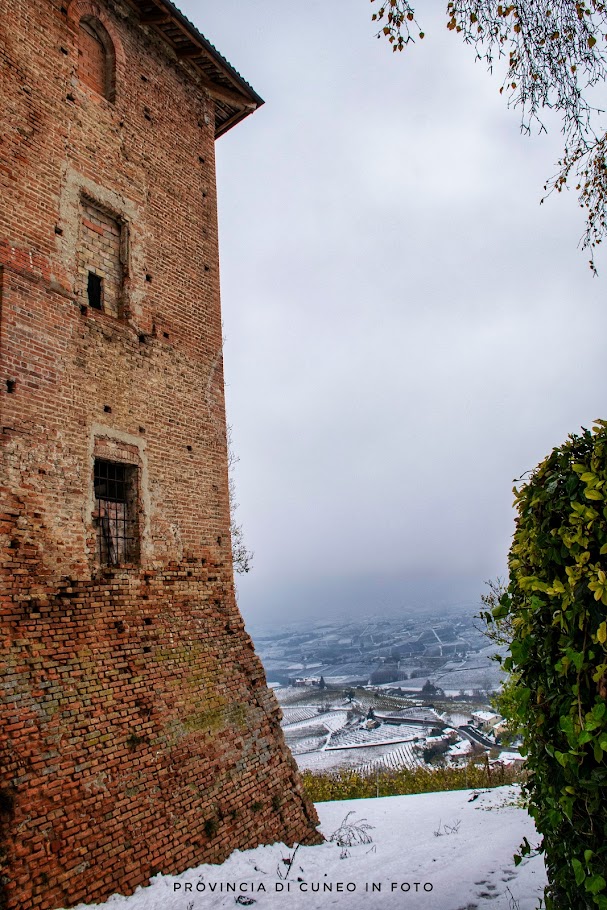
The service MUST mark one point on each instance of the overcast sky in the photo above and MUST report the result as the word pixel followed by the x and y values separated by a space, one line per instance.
pixel 407 329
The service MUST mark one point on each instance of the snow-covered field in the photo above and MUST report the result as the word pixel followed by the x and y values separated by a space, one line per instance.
pixel 431 851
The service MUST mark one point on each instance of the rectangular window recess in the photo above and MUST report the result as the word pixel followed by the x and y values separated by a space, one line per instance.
pixel 94 291
pixel 116 512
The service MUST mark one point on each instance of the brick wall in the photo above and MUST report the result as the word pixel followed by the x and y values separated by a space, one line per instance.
pixel 92 59
pixel 137 731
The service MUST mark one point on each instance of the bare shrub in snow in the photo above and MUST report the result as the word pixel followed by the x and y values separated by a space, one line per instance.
pixel 448 829
pixel 351 832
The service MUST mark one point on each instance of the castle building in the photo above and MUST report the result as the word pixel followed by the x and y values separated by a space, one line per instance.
pixel 137 734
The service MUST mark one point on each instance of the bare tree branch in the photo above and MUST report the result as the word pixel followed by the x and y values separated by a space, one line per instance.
pixel 555 53
pixel 242 557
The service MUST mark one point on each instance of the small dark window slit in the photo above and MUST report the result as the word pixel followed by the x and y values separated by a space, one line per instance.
pixel 94 290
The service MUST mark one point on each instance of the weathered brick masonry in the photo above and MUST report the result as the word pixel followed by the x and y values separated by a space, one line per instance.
pixel 136 730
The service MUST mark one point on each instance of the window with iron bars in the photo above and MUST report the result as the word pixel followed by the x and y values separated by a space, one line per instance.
pixel 116 508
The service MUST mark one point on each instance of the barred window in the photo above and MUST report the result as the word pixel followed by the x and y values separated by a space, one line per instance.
pixel 116 512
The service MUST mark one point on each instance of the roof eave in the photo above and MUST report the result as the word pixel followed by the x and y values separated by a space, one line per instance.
pixel 239 99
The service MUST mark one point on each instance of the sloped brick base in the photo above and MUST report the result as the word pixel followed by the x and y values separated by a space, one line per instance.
pixel 138 733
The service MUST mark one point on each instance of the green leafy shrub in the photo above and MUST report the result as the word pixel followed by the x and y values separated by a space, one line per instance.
pixel 555 606
pixel 349 784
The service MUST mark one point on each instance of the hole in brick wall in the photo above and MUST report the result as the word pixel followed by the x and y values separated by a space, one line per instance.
pixel 119 626
pixel 94 290
pixel 10 385
pixel 134 740
pixel 165 334
pixel 203 562
pixel 83 309
pixel 204 194
pixel 58 230
pixel 142 429
pixel 148 278
pixel 190 574
pixel 144 78
pixel 70 97
pixel 64 50
pixel 7 802
pixel 210 827
pixel 207 267
pixel 219 541
pixel 201 159
pixel 141 339
pixel 148 620
pixel 147 116
pixel 147 649
pixel 64 11
pixel 189 448
pixel 107 409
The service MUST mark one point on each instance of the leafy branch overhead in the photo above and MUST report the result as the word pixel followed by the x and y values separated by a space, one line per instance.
pixel 556 56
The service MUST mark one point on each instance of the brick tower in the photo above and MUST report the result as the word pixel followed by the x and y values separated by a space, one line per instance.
pixel 136 731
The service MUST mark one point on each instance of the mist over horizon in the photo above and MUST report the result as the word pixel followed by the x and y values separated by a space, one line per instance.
pixel 280 601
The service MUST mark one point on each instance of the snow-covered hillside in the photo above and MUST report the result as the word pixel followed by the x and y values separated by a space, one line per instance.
pixel 432 851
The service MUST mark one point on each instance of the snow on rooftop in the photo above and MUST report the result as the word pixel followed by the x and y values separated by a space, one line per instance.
pixel 430 851
pixel 509 757
pixel 485 715
pixel 463 747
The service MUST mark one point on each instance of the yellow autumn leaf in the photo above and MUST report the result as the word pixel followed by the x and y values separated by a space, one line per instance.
pixel 593 494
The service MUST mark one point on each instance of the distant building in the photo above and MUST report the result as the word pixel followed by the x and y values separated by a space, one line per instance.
pixel 485 720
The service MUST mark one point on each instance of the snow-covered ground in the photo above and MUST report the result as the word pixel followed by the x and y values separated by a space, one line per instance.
pixel 431 851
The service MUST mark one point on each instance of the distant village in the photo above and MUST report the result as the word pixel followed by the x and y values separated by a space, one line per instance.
pixel 448 651
pixel 387 692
